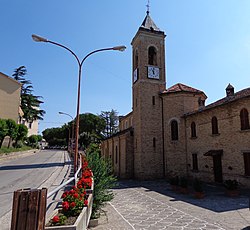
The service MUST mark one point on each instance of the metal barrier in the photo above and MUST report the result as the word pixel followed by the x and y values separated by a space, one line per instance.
pixel 29 206
pixel 65 183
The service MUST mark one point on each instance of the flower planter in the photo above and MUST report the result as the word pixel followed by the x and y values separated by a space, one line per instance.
pixel 184 190
pixel 93 223
pixel 232 193
pixel 199 195
pixel 82 220
pixel 174 188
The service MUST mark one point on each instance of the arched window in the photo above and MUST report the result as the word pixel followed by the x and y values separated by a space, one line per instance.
pixel 152 56
pixel 174 130
pixel 244 119
pixel 136 59
pixel 214 125
pixel 193 129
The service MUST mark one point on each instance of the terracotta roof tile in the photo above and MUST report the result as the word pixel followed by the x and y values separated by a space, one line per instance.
pixel 181 88
pixel 239 95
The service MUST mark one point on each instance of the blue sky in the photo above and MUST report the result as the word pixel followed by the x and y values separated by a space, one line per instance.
pixel 207 47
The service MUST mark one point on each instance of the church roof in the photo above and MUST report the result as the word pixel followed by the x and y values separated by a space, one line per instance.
pixel 181 88
pixel 225 100
pixel 149 24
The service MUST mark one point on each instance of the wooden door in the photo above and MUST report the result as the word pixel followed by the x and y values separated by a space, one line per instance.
pixel 217 168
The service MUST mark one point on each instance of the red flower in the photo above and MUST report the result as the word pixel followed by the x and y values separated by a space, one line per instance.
pixel 80 186
pixel 65 205
pixel 75 195
pixel 56 219
pixel 72 204
pixel 85 202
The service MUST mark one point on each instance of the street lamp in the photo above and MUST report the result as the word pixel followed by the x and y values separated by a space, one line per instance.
pixel 72 131
pixel 119 48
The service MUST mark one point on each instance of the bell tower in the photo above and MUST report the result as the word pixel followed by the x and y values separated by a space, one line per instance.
pixel 148 79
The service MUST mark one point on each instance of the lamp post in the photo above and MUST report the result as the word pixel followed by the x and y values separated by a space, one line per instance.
pixel 72 131
pixel 80 63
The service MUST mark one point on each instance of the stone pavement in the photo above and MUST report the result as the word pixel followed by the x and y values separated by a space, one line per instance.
pixel 153 205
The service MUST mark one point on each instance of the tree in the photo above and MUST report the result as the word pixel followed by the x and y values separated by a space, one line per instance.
pixel 91 128
pixel 112 121
pixel 22 132
pixel 11 130
pixel 56 136
pixel 3 130
pixel 30 103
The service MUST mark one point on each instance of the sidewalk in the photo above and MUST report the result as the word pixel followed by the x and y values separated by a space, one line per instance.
pixel 153 205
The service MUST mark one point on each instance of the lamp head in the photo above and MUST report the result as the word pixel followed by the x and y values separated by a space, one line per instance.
pixel 120 48
pixel 37 38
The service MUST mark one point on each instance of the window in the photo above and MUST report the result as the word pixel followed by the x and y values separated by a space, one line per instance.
pixel 247 163
pixel 244 119
pixel 30 125
pixel 153 100
pixel 136 59
pixel 116 154
pixel 154 142
pixel 193 129
pixel 195 161
pixel 174 130
pixel 152 56
pixel 214 125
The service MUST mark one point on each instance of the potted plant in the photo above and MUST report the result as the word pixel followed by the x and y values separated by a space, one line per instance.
pixel 76 206
pixel 184 185
pixel 198 189
pixel 231 187
pixel 174 182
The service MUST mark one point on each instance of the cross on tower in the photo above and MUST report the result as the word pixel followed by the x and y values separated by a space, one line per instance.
pixel 148 6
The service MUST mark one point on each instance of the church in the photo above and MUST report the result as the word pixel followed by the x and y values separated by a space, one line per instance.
pixel 171 131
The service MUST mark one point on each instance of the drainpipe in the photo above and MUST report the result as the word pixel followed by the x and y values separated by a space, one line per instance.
pixel 185 125
pixel 163 138
pixel 119 160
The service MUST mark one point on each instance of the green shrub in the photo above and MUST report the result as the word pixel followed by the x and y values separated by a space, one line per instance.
pixel 231 184
pixel 183 182
pixel 103 179
pixel 197 185
pixel 174 181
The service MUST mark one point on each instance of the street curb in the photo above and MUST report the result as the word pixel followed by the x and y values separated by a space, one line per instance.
pixel 15 155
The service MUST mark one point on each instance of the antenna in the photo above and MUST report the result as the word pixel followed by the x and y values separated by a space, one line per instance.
pixel 148 6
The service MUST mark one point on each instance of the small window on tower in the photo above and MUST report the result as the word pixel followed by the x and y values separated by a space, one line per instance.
pixel 152 57
pixel 154 142
pixel 153 100
pixel 136 59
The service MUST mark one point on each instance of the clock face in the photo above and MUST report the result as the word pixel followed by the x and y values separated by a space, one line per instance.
pixel 135 75
pixel 153 72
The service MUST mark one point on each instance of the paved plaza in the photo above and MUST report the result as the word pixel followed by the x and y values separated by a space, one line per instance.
pixel 153 205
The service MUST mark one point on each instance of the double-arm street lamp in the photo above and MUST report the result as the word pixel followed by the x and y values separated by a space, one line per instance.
pixel 71 138
pixel 80 63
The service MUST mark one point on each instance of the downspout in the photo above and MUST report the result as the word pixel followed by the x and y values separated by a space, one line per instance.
pixel 119 160
pixel 185 125
pixel 163 138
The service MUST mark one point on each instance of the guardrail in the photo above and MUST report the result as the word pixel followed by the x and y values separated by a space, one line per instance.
pixel 65 183
pixel 29 207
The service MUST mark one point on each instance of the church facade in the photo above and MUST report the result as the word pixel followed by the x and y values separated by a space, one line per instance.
pixel 171 131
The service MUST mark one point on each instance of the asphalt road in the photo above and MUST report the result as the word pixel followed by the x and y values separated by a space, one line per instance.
pixel 32 170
